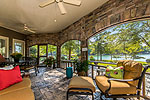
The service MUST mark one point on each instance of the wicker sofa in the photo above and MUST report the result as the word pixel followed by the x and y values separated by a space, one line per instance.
pixel 18 91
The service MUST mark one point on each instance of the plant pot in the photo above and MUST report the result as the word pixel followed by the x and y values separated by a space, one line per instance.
pixel 83 73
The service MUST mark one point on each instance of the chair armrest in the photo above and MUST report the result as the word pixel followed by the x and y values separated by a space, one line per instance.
pixel 22 74
pixel 122 80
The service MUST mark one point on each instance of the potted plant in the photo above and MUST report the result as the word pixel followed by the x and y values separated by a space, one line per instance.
pixel 16 56
pixel 49 61
pixel 148 61
pixel 63 58
pixel 81 67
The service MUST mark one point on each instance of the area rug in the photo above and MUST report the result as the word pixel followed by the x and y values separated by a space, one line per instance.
pixel 51 84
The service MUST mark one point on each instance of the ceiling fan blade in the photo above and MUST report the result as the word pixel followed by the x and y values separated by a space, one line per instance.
pixel 62 8
pixel 31 30
pixel 28 29
pixel 73 2
pixel 43 4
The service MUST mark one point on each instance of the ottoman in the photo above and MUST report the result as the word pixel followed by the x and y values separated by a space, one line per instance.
pixel 81 85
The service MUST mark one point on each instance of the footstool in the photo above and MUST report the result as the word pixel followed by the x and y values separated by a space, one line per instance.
pixel 81 85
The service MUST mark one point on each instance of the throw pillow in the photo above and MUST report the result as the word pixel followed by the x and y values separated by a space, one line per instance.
pixel 114 72
pixel 9 77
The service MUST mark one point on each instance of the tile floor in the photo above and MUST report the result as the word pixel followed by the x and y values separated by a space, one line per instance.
pixel 51 84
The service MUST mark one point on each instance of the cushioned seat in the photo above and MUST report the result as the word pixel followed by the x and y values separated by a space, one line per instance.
pixel 26 83
pixel 116 86
pixel 82 82
pixel 24 94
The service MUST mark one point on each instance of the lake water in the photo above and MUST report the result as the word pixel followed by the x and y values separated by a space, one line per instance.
pixel 108 57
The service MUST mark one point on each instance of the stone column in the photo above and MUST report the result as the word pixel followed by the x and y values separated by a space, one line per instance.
pixel 58 56
pixel 84 54
pixel 26 49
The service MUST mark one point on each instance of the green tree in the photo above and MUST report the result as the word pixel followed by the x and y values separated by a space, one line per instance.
pixel 33 51
pixel 127 39
pixel 42 50
pixel 132 36
pixel 97 45
pixel 71 47
pixel 111 46
pixel 52 49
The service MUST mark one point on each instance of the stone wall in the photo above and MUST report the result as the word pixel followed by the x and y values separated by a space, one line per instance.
pixel 112 13
pixel 52 39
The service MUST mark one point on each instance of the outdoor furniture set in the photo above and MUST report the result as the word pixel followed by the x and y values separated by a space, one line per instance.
pixel 25 64
pixel 128 86
pixel 28 63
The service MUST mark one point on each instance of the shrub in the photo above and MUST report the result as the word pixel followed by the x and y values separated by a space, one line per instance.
pixel 81 65
pixel 63 58
pixel 49 60
pixel 16 55
pixel 92 58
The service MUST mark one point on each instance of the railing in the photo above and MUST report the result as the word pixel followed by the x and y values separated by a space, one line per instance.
pixel 146 86
pixel 68 63
pixel 145 92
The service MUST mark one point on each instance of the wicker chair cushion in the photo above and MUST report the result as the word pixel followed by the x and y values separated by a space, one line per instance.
pixel 132 70
pixel 116 86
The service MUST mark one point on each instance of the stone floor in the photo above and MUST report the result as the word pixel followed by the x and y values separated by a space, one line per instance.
pixel 51 84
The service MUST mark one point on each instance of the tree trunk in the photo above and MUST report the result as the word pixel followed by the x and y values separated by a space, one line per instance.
pixel 125 56
pixel 100 57
pixel 51 53
pixel 145 41
pixel 111 56
pixel 69 53
pixel 125 50
pixel 96 50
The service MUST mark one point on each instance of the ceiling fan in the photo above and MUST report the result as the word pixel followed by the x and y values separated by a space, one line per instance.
pixel 60 4
pixel 28 29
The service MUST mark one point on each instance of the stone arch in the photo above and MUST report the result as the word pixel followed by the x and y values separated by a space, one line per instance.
pixel 73 40
pixel 67 41
pixel 119 23
pixel 140 29
pixel 112 13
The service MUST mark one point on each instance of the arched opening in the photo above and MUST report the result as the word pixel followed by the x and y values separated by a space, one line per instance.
pixel 126 41
pixel 70 51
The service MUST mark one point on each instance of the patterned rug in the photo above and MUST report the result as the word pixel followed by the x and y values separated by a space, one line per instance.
pixel 51 84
